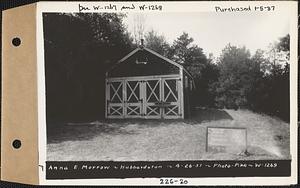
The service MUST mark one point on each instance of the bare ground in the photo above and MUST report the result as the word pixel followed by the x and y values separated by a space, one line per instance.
pixel 153 140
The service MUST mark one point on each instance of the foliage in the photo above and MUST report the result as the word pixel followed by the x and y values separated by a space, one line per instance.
pixel 272 91
pixel 202 69
pixel 235 78
pixel 284 44
pixel 259 82
pixel 157 43
pixel 181 49
pixel 138 28
pixel 78 48
pixel 271 94
pixel 189 55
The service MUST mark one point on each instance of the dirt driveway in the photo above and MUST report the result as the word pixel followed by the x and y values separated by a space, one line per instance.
pixel 141 140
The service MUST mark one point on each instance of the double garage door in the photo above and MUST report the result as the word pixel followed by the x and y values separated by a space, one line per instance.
pixel 144 97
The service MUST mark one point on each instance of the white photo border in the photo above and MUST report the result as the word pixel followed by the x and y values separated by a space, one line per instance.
pixel 43 7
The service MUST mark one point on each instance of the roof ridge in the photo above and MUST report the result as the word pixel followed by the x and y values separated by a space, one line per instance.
pixel 154 53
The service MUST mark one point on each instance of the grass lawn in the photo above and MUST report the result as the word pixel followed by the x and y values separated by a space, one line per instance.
pixel 153 140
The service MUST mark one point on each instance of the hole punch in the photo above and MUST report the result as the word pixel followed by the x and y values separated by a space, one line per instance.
pixel 16 144
pixel 16 41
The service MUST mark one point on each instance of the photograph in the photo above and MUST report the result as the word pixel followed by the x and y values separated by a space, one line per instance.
pixel 150 93
pixel 167 86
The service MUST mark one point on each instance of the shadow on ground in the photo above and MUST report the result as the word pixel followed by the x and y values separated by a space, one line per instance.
pixel 199 115
pixel 83 131
pixel 208 114
pixel 59 132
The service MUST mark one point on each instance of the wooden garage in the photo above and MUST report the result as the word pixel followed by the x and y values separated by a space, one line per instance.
pixel 144 84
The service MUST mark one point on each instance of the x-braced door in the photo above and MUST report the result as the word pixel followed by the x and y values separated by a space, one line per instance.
pixel 123 98
pixel 145 97
pixel 114 99
pixel 152 98
pixel 171 98
pixel 163 98
pixel 133 102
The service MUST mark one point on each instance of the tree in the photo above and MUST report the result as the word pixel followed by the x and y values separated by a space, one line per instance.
pixel 278 55
pixel 139 21
pixel 108 34
pixel 237 75
pixel 284 44
pixel 259 82
pixel 256 94
pixel 276 82
pixel 203 70
pixel 189 55
pixel 78 50
pixel 181 47
pixel 157 43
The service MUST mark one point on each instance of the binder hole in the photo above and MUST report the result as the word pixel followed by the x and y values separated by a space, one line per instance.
pixel 16 144
pixel 16 41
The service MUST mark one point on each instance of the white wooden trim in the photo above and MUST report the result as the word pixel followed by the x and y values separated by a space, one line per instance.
pixel 124 97
pixel 154 53
pixel 128 55
pixel 164 58
pixel 115 104
pixel 161 93
pixel 112 111
pixel 107 94
pixel 143 97
pixel 115 117
pixel 132 104
pixel 182 94
pixel 143 104
pixel 151 77
pixel 122 60
pixel 151 51
pixel 168 60
pixel 172 117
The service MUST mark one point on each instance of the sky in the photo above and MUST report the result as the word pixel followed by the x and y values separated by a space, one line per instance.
pixel 213 32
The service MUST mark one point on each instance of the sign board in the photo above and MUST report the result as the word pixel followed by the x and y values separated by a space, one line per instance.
pixel 226 139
